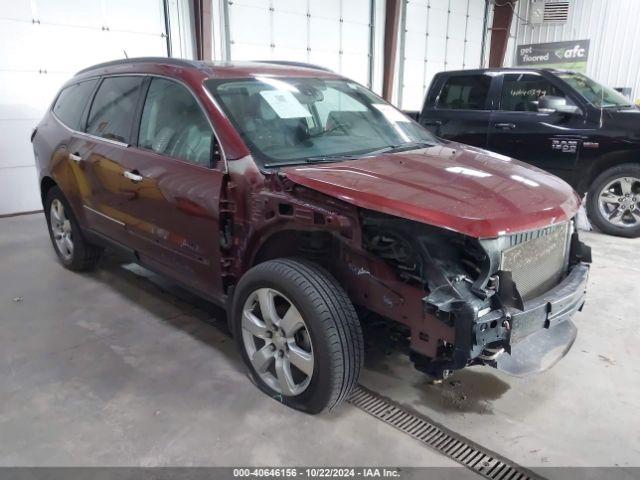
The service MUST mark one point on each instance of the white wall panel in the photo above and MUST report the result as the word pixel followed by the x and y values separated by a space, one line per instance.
pixel 17 10
pixel 331 33
pixel 438 35
pixel 325 8
pixel 15 154
pixel 324 34
pixel 22 34
pixel 77 13
pixel 292 6
pixel 250 24
pixel 352 11
pixel 42 44
pixel 355 38
pixel 139 16
pixel 19 190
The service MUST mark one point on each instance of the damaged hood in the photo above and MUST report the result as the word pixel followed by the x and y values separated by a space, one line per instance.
pixel 460 188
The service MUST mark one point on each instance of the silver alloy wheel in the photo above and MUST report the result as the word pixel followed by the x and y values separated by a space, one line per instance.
pixel 277 341
pixel 619 202
pixel 61 228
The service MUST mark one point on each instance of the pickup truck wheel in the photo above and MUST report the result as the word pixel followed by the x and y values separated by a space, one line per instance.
pixel 298 334
pixel 613 202
pixel 72 249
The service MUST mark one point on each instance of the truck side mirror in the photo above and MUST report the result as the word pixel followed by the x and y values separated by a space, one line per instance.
pixel 552 104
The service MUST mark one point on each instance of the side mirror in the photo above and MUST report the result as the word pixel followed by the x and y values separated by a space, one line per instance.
pixel 552 104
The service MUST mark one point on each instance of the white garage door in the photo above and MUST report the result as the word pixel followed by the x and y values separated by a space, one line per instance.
pixel 438 35
pixel 42 44
pixel 331 33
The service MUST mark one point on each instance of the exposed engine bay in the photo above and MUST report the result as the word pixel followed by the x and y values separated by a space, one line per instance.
pixel 470 284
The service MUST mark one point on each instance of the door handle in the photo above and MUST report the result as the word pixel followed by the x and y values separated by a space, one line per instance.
pixel 134 177
pixel 75 157
pixel 433 123
pixel 505 126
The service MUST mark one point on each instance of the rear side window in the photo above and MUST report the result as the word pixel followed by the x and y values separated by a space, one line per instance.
pixel 71 102
pixel 113 108
pixel 521 91
pixel 465 92
pixel 173 124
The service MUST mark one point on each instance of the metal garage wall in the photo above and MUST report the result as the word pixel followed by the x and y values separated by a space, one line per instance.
pixel 333 33
pixel 612 28
pixel 42 44
pixel 437 35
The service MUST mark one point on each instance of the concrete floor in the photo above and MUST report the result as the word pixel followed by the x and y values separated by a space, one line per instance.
pixel 109 368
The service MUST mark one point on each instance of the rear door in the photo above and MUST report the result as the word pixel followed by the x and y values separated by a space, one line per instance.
pixel 458 108
pixel 70 109
pixel 172 176
pixel 550 141
pixel 102 153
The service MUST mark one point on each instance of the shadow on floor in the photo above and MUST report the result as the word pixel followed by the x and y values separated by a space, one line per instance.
pixel 170 303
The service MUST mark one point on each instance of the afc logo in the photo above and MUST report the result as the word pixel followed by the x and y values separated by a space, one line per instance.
pixel 564 146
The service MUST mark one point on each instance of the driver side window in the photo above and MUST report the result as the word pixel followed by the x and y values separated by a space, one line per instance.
pixel 521 91
pixel 173 124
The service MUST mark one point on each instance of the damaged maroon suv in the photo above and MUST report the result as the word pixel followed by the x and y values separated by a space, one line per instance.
pixel 309 207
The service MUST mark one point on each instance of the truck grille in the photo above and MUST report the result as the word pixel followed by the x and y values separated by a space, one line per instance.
pixel 537 259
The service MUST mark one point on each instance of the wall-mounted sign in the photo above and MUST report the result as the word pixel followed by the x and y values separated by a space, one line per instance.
pixel 572 55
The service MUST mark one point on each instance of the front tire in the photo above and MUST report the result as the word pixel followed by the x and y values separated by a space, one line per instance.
pixel 298 334
pixel 613 201
pixel 72 249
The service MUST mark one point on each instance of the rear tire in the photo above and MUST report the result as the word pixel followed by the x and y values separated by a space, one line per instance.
pixel 613 201
pixel 72 249
pixel 307 350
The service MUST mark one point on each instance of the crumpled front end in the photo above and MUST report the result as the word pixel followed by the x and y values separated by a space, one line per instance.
pixel 505 302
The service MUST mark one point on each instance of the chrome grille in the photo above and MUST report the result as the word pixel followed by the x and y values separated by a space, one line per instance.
pixel 537 259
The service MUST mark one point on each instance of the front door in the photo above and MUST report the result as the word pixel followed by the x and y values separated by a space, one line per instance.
pixel 173 180
pixel 550 141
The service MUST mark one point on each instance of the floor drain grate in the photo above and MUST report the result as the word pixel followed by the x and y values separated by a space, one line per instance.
pixel 467 453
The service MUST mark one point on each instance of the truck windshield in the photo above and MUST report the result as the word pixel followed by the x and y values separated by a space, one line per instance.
pixel 593 92
pixel 287 121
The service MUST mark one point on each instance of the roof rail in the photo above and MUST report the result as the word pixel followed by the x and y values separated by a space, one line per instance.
pixel 124 61
pixel 288 63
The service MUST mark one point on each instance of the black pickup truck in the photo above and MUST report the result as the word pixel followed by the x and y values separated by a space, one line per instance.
pixel 560 121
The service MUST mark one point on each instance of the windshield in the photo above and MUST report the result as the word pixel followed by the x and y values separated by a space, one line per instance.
pixel 286 121
pixel 593 92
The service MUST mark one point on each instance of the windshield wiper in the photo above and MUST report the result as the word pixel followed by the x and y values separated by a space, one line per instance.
pixel 349 156
pixel 401 146
pixel 315 159
pixel 330 158
pixel 387 149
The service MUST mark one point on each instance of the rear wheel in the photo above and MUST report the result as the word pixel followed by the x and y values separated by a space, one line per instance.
pixel 73 250
pixel 298 333
pixel 613 202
